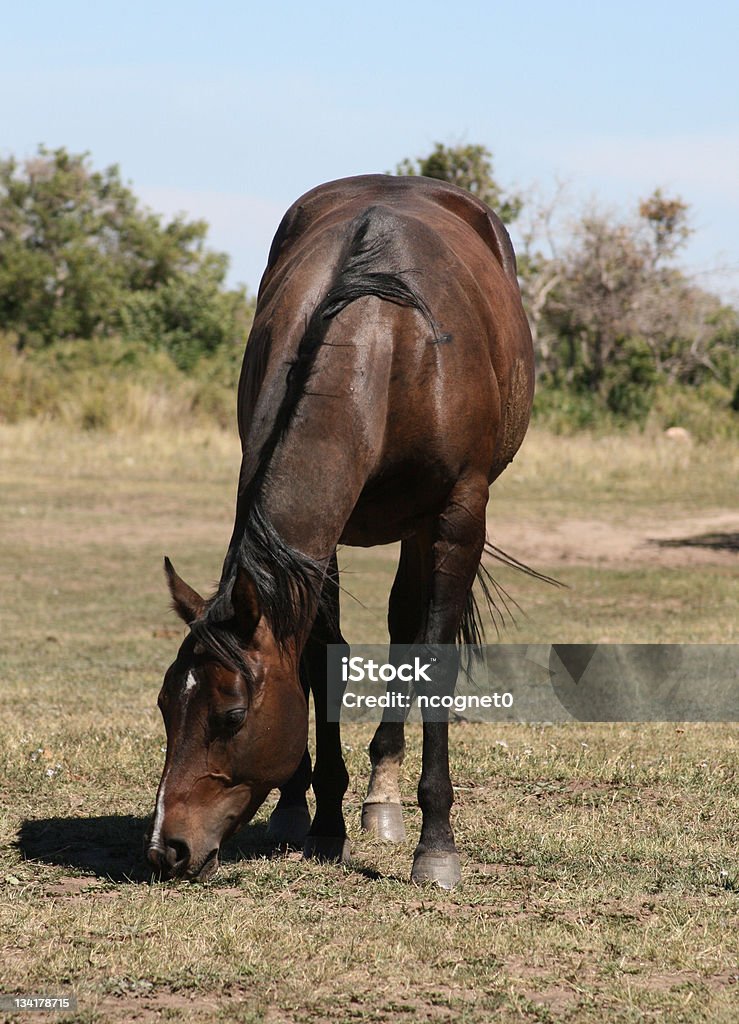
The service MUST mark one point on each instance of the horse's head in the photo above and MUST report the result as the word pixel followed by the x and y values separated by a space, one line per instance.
pixel 236 722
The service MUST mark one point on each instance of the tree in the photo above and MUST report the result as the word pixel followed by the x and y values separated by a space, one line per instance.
pixel 75 246
pixel 471 168
pixel 610 311
pixel 668 221
pixel 601 278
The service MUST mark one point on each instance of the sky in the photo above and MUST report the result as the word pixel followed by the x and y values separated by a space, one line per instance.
pixel 231 110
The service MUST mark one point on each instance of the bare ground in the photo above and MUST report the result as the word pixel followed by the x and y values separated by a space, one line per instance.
pixel 691 540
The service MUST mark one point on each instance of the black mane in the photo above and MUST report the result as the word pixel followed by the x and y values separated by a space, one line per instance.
pixel 288 582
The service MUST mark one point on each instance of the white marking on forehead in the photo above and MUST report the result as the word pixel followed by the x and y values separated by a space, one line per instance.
pixel 190 683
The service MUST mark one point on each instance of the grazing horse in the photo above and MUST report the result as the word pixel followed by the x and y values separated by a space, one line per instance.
pixel 387 381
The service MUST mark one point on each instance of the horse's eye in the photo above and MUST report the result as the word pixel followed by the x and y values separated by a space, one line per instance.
pixel 234 718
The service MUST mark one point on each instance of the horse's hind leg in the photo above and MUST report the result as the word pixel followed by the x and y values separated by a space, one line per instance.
pixel 381 810
pixel 457 546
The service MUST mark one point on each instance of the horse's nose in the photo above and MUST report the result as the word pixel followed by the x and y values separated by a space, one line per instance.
pixel 155 856
pixel 170 859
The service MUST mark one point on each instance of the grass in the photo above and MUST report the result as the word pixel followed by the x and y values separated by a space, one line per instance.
pixel 600 872
pixel 111 384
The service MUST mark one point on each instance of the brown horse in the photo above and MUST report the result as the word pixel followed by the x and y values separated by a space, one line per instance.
pixel 387 382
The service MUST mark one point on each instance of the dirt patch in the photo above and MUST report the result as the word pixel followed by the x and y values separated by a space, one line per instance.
pixel 115 525
pixel 154 1006
pixel 655 982
pixel 536 985
pixel 72 885
pixel 642 541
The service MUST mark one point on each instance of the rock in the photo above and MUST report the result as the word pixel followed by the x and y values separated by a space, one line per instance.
pixel 679 435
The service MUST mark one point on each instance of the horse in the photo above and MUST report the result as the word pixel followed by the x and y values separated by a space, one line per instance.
pixel 387 381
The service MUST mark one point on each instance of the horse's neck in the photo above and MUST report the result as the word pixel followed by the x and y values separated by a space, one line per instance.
pixel 311 485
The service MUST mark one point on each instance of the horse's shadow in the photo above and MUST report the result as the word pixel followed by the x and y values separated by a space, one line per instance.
pixel 712 541
pixel 111 846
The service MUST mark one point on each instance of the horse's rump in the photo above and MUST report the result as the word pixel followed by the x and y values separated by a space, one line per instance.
pixel 427 246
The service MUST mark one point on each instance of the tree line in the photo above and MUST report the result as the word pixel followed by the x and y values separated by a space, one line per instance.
pixel 613 317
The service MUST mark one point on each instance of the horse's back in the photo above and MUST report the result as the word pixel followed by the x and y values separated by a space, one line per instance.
pixel 343 198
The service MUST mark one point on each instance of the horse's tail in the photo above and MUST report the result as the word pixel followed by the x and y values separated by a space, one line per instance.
pixel 496 600
pixel 371 248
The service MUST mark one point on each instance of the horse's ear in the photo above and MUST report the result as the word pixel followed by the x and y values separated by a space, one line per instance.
pixel 186 602
pixel 245 601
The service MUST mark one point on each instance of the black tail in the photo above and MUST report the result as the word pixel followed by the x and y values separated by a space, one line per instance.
pixel 371 244
pixel 498 603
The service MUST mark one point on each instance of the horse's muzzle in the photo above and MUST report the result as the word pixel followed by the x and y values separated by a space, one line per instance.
pixel 170 860
pixel 174 860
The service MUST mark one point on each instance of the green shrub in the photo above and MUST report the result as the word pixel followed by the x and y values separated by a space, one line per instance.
pixel 705 410
pixel 189 316
pixel 630 380
pixel 567 409
pixel 80 257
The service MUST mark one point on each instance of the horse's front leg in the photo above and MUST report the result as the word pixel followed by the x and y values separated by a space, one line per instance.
pixel 290 820
pixel 326 839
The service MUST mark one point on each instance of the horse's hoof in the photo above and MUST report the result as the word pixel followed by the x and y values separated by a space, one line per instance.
pixel 334 849
pixel 288 826
pixel 385 821
pixel 442 868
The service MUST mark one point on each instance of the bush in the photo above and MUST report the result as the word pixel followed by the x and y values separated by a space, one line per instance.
pixel 110 384
pixel 190 316
pixel 705 411
pixel 630 380
pixel 565 409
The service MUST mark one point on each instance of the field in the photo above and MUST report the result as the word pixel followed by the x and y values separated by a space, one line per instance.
pixel 601 879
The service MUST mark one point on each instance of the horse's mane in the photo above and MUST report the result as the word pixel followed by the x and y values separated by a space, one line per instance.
pixel 288 582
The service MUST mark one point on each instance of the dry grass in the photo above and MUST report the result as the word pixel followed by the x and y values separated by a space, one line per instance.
pixel 600 876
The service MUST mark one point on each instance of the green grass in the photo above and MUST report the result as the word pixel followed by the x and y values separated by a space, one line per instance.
pixel 600 871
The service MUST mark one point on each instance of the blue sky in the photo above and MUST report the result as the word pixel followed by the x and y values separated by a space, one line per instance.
pixel 229 111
